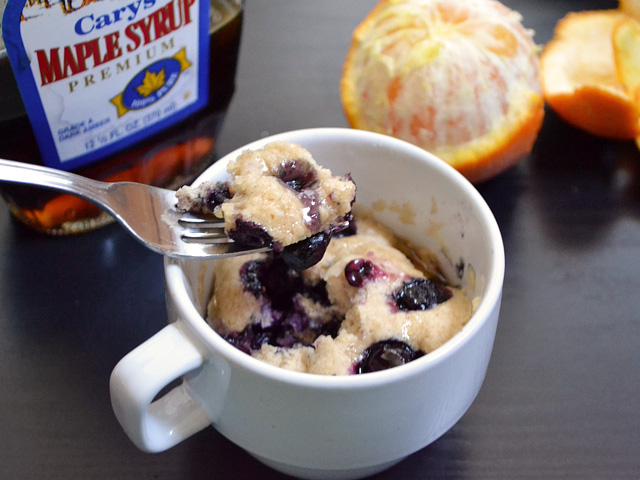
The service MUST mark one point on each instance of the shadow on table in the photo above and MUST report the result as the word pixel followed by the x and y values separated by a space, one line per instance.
pixel 581 183
pixel 576 184
pixel 212 456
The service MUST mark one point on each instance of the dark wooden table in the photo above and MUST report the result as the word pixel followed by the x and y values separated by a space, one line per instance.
pixel 562 395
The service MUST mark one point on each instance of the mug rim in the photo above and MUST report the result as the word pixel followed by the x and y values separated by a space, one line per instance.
pixel 176 280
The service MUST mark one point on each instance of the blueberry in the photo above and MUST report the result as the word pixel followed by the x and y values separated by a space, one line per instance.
pixel 251 338
pixel 317 293
pixel 250 276
pixel 345 227
pixel 284 320
pixel 331 328
pixel 302 178
pixel 279 284
pixel 359 270
pixel 306 253
pixel 297 174
pixel 250 234
pixel 386 354
pixel 208 197
pixel 420 294
pixel 311 210
pixel 285 329
pixel 217 195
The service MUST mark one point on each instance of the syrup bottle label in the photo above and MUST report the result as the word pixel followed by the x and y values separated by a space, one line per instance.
pixel 99 75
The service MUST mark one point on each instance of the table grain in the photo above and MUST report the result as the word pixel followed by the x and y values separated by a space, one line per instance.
pixel 561 396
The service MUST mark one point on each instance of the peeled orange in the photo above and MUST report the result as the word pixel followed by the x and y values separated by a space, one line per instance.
pixel 459 78
pixel 580 79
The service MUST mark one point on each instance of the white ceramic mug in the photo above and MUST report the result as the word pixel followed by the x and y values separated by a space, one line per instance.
pixel 314 426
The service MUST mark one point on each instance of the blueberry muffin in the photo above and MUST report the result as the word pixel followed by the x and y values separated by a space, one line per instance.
pixel 363 307
pixel 277 197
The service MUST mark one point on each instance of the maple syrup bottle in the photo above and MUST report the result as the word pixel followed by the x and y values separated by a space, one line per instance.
pixel 119 90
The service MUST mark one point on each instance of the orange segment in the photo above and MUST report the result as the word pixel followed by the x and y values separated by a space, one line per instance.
pixel 579 76
pixel 459 78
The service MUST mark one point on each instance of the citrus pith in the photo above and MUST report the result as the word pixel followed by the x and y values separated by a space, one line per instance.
pixel 459 78
pixel 630 7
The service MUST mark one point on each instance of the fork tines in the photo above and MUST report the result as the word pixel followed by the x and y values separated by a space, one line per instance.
pixel 203 229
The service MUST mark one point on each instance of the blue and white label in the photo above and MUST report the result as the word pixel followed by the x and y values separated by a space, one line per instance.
pixel 101 77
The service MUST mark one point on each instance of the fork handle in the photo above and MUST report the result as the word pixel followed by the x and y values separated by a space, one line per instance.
pixel 17 172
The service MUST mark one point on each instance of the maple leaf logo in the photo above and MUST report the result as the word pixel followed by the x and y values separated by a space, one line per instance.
pixel 151 83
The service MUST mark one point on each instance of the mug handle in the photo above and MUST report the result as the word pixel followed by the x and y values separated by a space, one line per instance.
pixel 136 380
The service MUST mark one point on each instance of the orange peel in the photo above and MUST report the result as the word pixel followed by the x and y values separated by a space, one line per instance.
pixel 580 78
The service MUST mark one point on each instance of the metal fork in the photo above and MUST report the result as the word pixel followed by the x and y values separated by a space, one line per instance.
pixel 147 212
